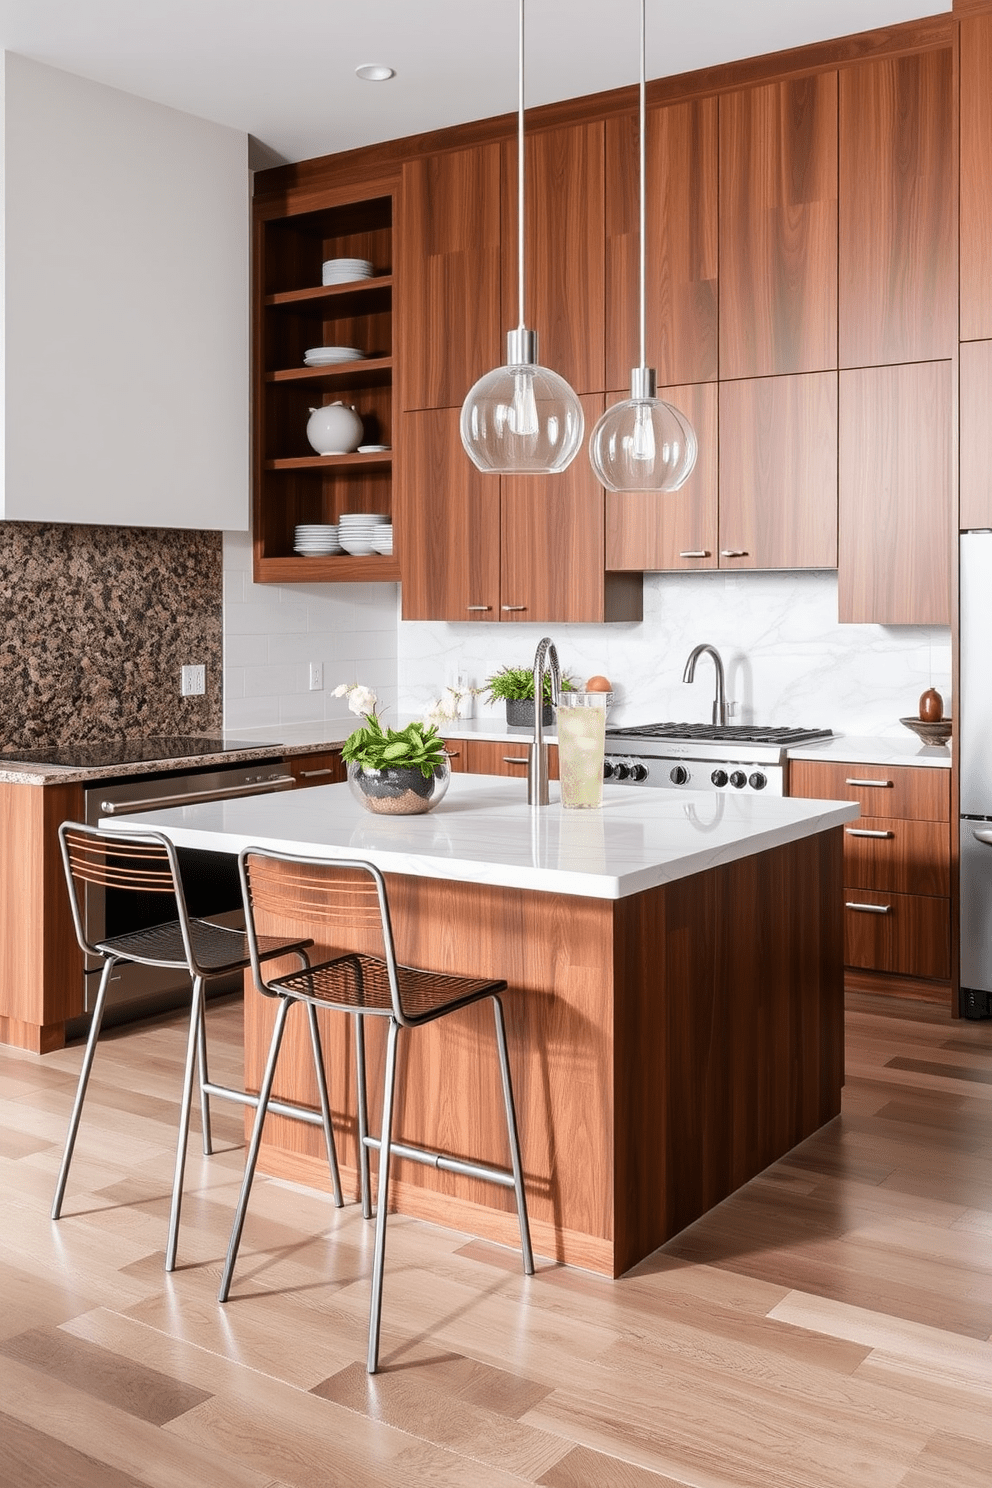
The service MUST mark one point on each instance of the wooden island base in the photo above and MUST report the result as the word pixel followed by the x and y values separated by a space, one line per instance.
pixel 665 1047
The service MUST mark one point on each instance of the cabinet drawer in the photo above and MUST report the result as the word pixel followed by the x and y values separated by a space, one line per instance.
pixel 881 790
pixel 317 769
pixel 908 934
pixel 488 757
pixel 908 857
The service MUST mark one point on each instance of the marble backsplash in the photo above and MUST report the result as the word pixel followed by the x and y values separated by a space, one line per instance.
pixel 788 660
pixel 97 623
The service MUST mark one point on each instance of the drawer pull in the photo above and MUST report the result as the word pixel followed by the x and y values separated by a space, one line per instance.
pixel 513 607
pixel 478 607
pixel 452 753
pixel 314 774
pixel 870 908
pixel 882 784
pixel 512 759
pixel 696 553
pixel 865 832
pixel 734 553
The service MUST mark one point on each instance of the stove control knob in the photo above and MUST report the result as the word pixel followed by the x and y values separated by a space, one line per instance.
pixel 638 772
pixel 719 777
pixel 738 780
pixel 607 770
pixel 621 772
pixel 757 781
pixel 678 774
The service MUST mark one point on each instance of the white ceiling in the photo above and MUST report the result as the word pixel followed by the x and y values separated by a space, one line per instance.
pixel 283 70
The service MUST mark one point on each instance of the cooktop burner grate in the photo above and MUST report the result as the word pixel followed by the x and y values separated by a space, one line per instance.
pixel 720 733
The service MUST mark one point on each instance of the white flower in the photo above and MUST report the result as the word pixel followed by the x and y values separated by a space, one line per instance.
pixel 340 690
pixel 361 699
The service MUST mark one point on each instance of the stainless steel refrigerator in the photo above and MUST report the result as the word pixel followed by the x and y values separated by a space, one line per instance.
pixel 974 710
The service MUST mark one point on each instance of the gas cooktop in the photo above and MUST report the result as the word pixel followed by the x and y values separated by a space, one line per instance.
pixel 99 753
pixel 717 733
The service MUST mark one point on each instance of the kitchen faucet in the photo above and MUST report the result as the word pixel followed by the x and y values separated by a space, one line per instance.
pixel 720 699
pixel 537 768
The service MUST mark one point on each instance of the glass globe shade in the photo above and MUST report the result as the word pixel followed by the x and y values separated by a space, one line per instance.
pixel 643 444
pixel 522 419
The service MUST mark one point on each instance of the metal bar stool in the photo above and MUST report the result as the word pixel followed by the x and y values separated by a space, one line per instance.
pixel 351 895
pixel 146 862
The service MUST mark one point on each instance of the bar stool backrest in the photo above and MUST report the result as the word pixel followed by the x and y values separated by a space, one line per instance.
pixel 335 894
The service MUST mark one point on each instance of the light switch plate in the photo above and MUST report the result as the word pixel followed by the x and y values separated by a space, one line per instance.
pixel 194 681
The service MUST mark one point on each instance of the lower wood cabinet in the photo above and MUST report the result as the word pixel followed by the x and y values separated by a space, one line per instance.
pixel 491 757
pixel 326 768
pixel 897 908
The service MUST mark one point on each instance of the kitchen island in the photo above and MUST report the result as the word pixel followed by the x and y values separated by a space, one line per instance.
pixel 675 1003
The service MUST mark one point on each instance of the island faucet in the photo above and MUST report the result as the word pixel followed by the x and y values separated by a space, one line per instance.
pixel 537 768
pixel 720 699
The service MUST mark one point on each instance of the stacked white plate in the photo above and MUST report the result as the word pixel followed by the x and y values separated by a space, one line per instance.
pixel 382 539
pixel 327 356
pixel 315 540
pixel 357 531
pixel 343 270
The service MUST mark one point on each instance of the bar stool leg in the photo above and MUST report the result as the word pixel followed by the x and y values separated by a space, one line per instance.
pixel 325 1104
pixel 382 1197
pixel 195 1016
pixel 201 1064
pixel 251 1159
pixel 84 1080
pixel 363 1116
pixel 511 1131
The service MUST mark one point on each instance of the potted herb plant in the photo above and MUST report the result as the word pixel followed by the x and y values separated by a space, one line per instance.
pixel 515 685
pixel 395 772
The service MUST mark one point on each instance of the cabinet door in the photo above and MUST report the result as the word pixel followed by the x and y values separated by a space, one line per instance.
pixel 976 176
pixel 448 271
pixel 778 472
pixel 449 515
pixel 564 250
pixel 488 757
pixel 681 231
pixel 896 497
pixel 778 228
pixel 326 768
pixel 677 529
pixel 898 211
pixel 976 433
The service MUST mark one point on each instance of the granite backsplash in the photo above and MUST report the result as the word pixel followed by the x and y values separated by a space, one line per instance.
pixel 97 623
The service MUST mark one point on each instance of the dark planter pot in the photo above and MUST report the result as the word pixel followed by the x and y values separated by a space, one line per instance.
pixel 520 713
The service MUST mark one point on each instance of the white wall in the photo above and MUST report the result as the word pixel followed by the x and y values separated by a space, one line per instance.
pixel 787 658
pixel 273 632
pixel 126 335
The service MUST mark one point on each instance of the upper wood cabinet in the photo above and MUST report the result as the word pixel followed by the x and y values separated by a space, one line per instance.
pixel 681 232
pixel 898 210
pixel 896 494
pixel 565 281
pixel 976 434
pixel 677 529
pixel 976 177
pixel 778 228
pixel 778 472
pixel 448 276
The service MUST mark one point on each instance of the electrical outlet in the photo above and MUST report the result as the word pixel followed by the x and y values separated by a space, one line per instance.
pixel 194 682
pixel 316 676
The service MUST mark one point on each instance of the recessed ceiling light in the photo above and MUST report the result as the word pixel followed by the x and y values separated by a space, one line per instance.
pixel 375 72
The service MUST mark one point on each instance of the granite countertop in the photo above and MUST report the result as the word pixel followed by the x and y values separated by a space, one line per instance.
pixel 484 832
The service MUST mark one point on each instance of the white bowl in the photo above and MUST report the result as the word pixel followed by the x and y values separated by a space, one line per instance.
pixel 355 548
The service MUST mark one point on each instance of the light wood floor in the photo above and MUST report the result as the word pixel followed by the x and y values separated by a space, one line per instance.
pixel 830 1324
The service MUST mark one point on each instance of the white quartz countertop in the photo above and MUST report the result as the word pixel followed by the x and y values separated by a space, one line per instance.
pixel 877 750
pixel 484 832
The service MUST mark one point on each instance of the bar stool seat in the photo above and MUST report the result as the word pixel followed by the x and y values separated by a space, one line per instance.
pixel 145 862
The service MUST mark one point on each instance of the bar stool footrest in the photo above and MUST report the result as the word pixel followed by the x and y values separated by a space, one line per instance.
pixel 280 1108
pixel 446 1164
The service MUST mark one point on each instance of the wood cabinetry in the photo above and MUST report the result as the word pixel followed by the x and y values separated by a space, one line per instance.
pixel 778 228
pixel 509 757
pixel 976 431
pixel 896 509
pixel 681 232
pixel 293 484
pixel 325 768
pixel 976 177
pixel 896 867
pixel 898 210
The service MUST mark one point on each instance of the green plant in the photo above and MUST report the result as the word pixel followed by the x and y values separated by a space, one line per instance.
pixel 419 746
pixel 516 684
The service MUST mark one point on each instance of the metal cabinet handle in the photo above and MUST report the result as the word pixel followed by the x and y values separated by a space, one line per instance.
pixel 192 798
pixel 864 832
pixel 510 759
pixel 478 607
pixel 870 908
pixel 315 774
pixel 513 607
pixel 696 553
pixel 882 784
pixel 452 753
pixel 734 553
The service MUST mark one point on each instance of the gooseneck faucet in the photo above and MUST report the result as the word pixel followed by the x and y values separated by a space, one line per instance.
pixel 537 768
pixel 720 699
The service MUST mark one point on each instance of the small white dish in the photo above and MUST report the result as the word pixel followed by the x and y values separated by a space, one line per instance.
pixel 372 449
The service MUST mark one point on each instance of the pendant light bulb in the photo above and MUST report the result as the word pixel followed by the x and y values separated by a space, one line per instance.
pixel 521 419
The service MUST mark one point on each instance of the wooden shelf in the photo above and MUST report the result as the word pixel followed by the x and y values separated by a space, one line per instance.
pixel 369 372
pixel 321 463
pixel 330 300
pixel 340 568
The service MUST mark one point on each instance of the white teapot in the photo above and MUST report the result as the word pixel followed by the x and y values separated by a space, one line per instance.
pixel 335 429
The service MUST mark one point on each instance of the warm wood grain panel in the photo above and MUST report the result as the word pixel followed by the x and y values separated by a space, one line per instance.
pixel 678 529
pixel 778 228
pixel 448 275
pixel 898 210
pixel 913 858
pixel 976 432
pixel 449 522
pixel 316 769
pixel 553 564
pixel 778 472
pixel 511 757
pixel 976 176
pixel 912 937
pixel 564 250
pixel 896 495
pixel 681 256
pixel 920 793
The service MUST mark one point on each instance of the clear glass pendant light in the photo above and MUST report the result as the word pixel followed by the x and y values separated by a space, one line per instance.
pixel 521 419
pixel 643 443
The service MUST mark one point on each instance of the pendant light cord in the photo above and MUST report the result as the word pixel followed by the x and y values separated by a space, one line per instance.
pixel 520 170
pixel 643 183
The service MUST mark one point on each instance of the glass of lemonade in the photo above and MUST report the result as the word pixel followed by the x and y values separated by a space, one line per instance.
pixel 581 743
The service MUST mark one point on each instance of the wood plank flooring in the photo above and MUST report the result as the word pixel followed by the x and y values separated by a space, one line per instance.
pixel 830 1324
